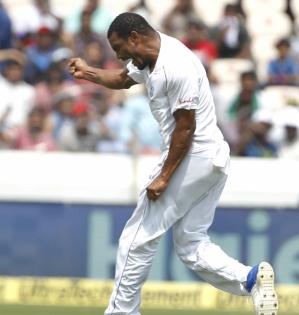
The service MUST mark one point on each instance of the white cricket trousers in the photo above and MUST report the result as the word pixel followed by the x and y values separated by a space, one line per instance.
pixel 188 206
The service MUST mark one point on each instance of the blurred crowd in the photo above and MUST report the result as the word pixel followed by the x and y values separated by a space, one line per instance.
pixel 253 75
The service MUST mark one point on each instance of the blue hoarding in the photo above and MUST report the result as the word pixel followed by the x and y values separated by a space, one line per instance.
pixel 51 239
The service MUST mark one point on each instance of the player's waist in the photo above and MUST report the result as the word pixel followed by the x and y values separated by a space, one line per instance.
pixel 206 149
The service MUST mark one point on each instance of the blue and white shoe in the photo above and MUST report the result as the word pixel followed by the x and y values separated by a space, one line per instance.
pixel 260 283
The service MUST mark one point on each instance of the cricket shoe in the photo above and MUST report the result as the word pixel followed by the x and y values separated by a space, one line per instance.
pixel 260 283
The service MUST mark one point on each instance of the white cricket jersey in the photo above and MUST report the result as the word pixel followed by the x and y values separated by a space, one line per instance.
pixel 179 80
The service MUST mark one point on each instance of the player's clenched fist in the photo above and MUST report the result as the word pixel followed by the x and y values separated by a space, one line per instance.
pixel 156 188
pixel 77 67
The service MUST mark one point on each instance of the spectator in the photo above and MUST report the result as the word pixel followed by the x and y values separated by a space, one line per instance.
pixel 46 16
pixel 247 101
pixel 196 39
pixel 101 18
pixel 142 9
pixel 34 135
pixel 12 54
pixel 91 45
pixel 94 55
pixel 294 41
pixel 82 135
pixel 5 29
pixel 40 55
pixel 60 59
pixel 241 108
pixel 232 36
pixel 289 119
pixel 33 16
pixel 62 114
pixel 254 140
pixel 107 116
pixel 284 69
pixel 290 150
pixel 55 82
pixel 16 95
pixel 5 135
pixel 175 21
pixel 139 131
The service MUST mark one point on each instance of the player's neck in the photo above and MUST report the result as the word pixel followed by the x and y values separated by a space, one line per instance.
pixel 153 49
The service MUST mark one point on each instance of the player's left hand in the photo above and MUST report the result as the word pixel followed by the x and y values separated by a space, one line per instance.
pixel 156 188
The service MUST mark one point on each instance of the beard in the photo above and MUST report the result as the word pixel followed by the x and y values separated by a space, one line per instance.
pixel 141 65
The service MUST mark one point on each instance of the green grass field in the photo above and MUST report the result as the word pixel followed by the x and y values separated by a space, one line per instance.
pixel 42 310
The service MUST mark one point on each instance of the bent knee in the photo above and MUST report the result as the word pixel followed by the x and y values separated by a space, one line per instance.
pixel 196 254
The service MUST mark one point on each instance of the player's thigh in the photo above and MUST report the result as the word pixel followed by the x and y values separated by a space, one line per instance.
pixel 191 181
pixel 193 226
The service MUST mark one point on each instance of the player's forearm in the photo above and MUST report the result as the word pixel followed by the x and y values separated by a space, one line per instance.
pixel 112 78
pixel 179 146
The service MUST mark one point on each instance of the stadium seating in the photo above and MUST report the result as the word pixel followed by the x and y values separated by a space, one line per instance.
pixel 211 11
pixel 295 7
pixel 229 70
pixel 255 6
pixel 280 96
pixel 263 48
pixel 223 98
pixel 269 24
pixel 160 8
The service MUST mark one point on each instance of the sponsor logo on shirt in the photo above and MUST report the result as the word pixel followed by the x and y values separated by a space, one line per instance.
pixel 186 100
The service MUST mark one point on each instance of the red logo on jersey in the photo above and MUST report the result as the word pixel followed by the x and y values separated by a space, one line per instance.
pixel 186 100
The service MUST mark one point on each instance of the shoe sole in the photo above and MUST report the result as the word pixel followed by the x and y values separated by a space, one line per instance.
pixel 265 284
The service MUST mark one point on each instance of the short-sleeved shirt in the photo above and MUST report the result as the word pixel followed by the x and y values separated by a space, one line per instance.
pixel 179 81
pixel 280 69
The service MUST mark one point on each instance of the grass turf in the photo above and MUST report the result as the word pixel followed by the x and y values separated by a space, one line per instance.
pixel 44 310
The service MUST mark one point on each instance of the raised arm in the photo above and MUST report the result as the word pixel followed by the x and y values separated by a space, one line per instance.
pixel 115 79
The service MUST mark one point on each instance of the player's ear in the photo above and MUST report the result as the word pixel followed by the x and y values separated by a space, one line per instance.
pixel 133 37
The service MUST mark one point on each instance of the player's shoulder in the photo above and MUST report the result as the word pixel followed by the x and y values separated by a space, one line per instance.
pixel 172 46
pixel 177 57
pixel 179 68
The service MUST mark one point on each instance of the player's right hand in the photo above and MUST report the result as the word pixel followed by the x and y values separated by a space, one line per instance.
pixel 156 188
pixel 77 67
